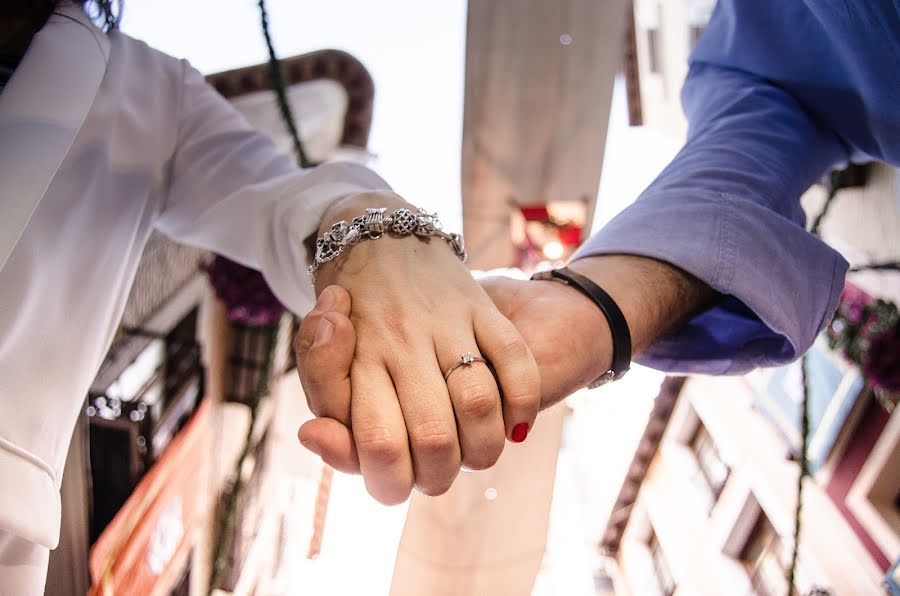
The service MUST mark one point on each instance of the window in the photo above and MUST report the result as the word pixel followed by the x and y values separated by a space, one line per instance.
pixel 713 470
pixel 765 557
pixel 873 497
pixel 661 567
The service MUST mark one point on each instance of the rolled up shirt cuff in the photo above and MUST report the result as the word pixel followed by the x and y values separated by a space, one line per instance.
pixel 780 284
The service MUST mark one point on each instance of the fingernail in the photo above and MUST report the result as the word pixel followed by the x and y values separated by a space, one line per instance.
pixel 519 432
pixel 323 332
pixel 325 301
pixel 311 445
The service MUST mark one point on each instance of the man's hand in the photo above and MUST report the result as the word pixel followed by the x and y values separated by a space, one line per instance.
pixel 415 310
pixel 565 331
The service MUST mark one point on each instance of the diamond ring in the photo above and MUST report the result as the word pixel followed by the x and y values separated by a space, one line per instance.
pixel 465 360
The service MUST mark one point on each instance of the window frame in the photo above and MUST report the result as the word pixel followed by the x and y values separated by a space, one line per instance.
pixel 662 571
pixel 703 446
pixel 771 550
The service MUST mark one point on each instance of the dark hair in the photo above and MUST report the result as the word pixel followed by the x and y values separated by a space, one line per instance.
pixel 105 13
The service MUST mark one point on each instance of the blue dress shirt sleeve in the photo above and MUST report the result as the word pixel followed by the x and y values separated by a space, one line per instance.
pixel 727 210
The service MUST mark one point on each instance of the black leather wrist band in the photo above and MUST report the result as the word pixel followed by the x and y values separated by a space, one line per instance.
pixel 618 326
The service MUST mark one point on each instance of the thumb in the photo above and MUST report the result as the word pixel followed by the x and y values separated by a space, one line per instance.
pixel 324 351
pixel 332 441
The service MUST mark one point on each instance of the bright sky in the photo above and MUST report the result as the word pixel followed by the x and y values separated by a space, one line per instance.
pixel 414 50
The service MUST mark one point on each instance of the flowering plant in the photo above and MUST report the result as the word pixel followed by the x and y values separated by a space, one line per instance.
pixel 247 297
pixel 867 332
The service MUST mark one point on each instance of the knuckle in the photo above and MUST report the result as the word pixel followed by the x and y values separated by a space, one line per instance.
pixel 366 360
pixel 433 438
pixel 522 396
pixel 512 347
pixel 401 328
pixel 402 332
pixel 478 401
pixel 379 445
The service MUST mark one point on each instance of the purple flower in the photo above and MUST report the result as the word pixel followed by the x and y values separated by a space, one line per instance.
pixel 881 361
pixel 244 291
pixel 854 312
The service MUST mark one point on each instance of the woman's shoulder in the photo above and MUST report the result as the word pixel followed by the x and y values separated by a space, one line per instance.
pixel 140 58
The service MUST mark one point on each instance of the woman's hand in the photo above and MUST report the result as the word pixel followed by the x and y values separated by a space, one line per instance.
pixel 411 309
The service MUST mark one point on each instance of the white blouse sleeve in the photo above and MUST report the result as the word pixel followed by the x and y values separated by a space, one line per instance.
pixel 230 190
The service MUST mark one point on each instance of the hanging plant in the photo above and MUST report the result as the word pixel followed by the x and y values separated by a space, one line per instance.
pixel 867 333
pixel 245 293
pixel 881 363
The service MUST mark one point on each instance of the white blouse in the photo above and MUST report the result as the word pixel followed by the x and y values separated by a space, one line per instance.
pixel 103 140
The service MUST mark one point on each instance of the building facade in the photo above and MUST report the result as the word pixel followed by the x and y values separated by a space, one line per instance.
pixel 715 510
pixel 708 505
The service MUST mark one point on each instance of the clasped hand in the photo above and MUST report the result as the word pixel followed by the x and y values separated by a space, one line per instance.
pixel 393 316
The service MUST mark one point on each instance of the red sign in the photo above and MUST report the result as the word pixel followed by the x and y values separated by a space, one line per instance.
pixel 145 547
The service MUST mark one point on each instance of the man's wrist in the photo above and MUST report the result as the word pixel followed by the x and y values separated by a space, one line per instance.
pixel 655 296
pixel 589 350
pixel 617 325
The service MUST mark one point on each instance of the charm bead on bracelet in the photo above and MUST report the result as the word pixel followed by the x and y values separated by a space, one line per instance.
pixel 374 224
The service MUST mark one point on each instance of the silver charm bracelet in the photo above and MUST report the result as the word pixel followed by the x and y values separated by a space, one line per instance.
pixel 373 225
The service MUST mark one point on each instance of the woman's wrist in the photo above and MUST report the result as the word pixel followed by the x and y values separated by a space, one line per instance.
pixel 380 244
pixel 347 208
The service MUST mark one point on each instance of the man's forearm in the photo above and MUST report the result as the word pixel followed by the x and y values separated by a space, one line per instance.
pixel 654 296
pixel 569 336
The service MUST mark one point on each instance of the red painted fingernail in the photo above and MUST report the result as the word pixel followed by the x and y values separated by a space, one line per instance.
pixel 519 432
